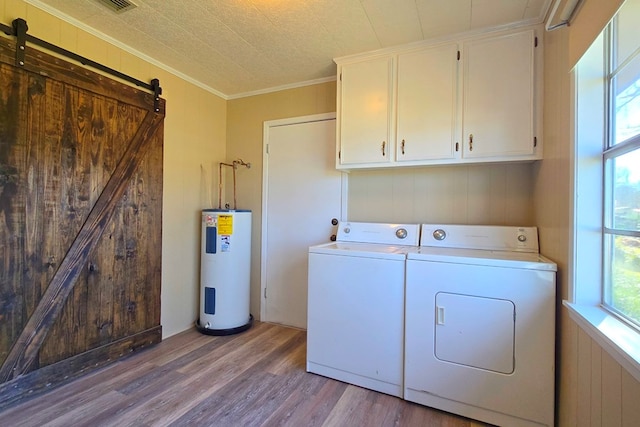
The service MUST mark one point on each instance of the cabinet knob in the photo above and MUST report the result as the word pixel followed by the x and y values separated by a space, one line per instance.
pixel 384 144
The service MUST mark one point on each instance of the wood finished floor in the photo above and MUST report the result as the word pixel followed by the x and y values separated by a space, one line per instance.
pixel 256 378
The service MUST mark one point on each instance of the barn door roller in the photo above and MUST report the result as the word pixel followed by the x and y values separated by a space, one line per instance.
pixel 157 91
pixel 19 30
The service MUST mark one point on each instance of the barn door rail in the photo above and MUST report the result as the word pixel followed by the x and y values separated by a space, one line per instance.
pixel 19 29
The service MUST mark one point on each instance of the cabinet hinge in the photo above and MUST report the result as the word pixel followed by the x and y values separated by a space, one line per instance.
pixel 535 43
pixel 339 155
pixel 265 293
pixel 458 55
pixel 267 149
pixel 457 147
pixel 340 76
pixel 535 141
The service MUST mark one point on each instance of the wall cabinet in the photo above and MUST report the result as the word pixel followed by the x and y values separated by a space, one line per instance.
pixel 498 97
pixel 468 101
pixel 367 98
pixel 426 104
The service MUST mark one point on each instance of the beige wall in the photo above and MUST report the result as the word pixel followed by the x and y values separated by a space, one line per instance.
pixel 497 194
pixel 593 390
pixel 245 120
pixel 195 135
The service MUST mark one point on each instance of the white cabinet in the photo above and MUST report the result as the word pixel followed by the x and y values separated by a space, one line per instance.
pixel 468 101
pixel 498 97
pixel 426 104
pixel 364 113
pixel 397 108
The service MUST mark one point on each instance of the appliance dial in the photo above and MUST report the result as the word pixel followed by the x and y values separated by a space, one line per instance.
pixel 401 233
pixel 439 234
pixel 347 230
pixel 522 238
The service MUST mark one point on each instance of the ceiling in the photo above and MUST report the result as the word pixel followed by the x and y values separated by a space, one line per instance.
pixel 240 47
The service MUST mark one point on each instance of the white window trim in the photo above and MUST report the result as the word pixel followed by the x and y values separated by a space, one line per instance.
pixel 616 337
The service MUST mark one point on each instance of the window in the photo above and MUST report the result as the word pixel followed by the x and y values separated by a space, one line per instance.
pixel 621 222
pixel 605 298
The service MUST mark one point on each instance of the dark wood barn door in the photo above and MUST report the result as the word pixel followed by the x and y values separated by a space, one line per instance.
pixel 80 221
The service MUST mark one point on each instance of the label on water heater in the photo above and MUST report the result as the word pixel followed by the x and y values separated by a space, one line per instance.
pixel 225 224
pixel 225 243
pixel 210 220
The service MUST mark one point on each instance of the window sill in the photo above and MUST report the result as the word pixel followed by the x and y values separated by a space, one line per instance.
pixel 616 338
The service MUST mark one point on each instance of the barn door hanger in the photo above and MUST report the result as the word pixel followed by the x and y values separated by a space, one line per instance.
pixel 157 91
pixel 20 30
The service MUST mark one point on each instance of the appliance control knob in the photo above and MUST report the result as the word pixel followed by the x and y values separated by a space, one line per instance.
pixel 401 233
pixel 333 237
pixel 439 234
pixel 347 230
pixel 334 221
pixel 522 238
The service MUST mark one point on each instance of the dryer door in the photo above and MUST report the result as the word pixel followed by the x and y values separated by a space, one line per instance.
pixel 475 331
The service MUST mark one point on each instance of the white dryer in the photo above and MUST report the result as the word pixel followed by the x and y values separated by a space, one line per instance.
pixel 480 324
pixel 355 326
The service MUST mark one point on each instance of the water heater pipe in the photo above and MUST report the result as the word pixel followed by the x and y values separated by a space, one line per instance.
pixel 234 166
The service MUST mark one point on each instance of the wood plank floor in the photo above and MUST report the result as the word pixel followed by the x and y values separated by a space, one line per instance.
pixel 256 378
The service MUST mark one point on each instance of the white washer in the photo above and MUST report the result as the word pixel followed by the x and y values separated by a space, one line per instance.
pixel 355 326
pixel 480 319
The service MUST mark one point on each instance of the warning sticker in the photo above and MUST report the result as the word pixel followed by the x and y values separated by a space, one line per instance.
pixel 210 220
pixel 225 243
pixel 225 224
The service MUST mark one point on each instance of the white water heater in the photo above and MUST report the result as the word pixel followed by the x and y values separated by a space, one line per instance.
pixel 225 265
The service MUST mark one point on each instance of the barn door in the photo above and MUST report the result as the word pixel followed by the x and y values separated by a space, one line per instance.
pixel 80 220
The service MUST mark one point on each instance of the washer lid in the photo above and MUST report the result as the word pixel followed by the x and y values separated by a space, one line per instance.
pixel 373 232
pixel 363 250
pixel 507 259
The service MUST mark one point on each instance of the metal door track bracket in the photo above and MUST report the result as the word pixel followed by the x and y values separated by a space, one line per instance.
pixel 157 91
pixel 20 30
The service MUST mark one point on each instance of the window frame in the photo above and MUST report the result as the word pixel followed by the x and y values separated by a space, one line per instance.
pixel 612 151
pixel 590 134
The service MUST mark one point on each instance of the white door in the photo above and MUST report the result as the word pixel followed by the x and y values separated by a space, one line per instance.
pixel 302 193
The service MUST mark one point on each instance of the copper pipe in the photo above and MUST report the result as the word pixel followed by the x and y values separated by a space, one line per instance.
pixel 220 183
pixel 234 166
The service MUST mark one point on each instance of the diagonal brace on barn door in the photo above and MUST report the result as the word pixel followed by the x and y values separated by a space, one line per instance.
pixel 25 349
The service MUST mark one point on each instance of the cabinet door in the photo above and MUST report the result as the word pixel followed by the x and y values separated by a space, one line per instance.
pixel 427 104
pixel 498 96
pixel 365 112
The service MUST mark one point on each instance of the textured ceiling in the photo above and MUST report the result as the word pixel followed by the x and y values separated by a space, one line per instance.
pixel 237 47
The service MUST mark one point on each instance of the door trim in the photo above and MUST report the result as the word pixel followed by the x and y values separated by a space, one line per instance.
pixel 265 193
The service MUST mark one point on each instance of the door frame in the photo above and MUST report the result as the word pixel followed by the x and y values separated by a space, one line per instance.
pixel 265 192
